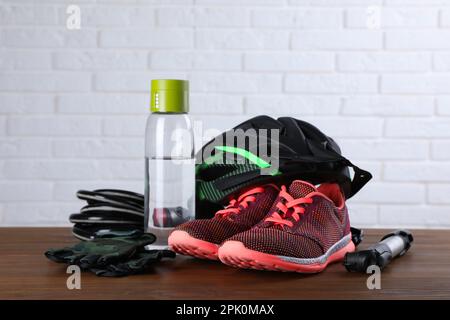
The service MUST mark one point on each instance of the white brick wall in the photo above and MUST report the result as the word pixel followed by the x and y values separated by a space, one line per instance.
pixel 73 103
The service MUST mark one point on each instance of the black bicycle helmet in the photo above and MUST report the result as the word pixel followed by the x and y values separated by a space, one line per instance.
pixel 304 152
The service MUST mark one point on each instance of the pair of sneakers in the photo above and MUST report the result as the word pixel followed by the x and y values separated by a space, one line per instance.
pixel 300 228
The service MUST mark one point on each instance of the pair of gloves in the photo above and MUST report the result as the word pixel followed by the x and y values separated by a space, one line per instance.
pixel 112 223
pixel 111 257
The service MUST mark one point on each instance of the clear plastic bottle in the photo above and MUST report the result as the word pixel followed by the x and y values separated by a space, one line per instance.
pixel 169 160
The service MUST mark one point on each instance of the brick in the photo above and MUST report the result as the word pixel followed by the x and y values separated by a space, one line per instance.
pixel 209 126
pixel 49 38
pixel 165 2
pixel 170 60
pixel 221 17
pixel 138 82
pixel 241 39
pixel 381 193
pixel 388 105
pixel 384 62
pixel 405 216
pixel 61 2
pixel 103 103
pixel 328 3
pixel 239 2
pixel 66 190
pixel 334 83
pixel 417 172
pixel 25 191
pixel 51 169
pixel 441 61
pixel 402 216
pixel 23 148
pixel 100 60
pixel 215 104
pixel 142 16
pixel 443 106
pixel 289 62
pixel 130 82
pixel 99 148
pixel 438 193
pixel 121 169
pixel 437 218
pixel 28 15
pixel 54 126
pixel 43 38
pixel 235 82
pixel 175 17
pixel 416 2
pixel 25 60
pixel 341 40
pixel 394 17
pixel 445 17
pixel 338 127
pixel 385 149
pixel 36 214
pixel 45 82
pixel 297 18
pixel 418 39
pixel 141 38
pixel 124 126
pixel 292 105
pixel 3 125
pixel 112 16
pixel 203 17
pixel 440 149
pixel 418 128
pixel 415 84
pixel 118 16
pixel 363 215
pixel 26 103
pixel 83 38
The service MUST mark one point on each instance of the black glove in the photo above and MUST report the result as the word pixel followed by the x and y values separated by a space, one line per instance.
pixel 102 251
pixel 138 264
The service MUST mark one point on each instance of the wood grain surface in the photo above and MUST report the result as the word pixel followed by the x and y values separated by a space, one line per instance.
pixel 25 273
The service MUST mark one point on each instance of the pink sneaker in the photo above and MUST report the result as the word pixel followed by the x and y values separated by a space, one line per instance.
pixel 201 238
pixel 306 229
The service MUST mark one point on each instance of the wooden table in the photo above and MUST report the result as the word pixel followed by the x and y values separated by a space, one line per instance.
pixel 26 274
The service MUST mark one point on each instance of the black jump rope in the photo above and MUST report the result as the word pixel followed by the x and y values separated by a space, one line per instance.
pixel 109 213
pixel 117 216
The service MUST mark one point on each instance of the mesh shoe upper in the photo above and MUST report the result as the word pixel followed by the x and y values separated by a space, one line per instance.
pixel 322 223
pixel 239 218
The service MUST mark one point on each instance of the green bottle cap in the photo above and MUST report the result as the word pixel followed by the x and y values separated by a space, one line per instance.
pixel 169 96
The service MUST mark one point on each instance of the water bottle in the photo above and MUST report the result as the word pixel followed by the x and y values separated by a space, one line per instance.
pixel 169 160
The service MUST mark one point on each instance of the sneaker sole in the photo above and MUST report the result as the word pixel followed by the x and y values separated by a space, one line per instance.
pixel 183 243
pixel 235 254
